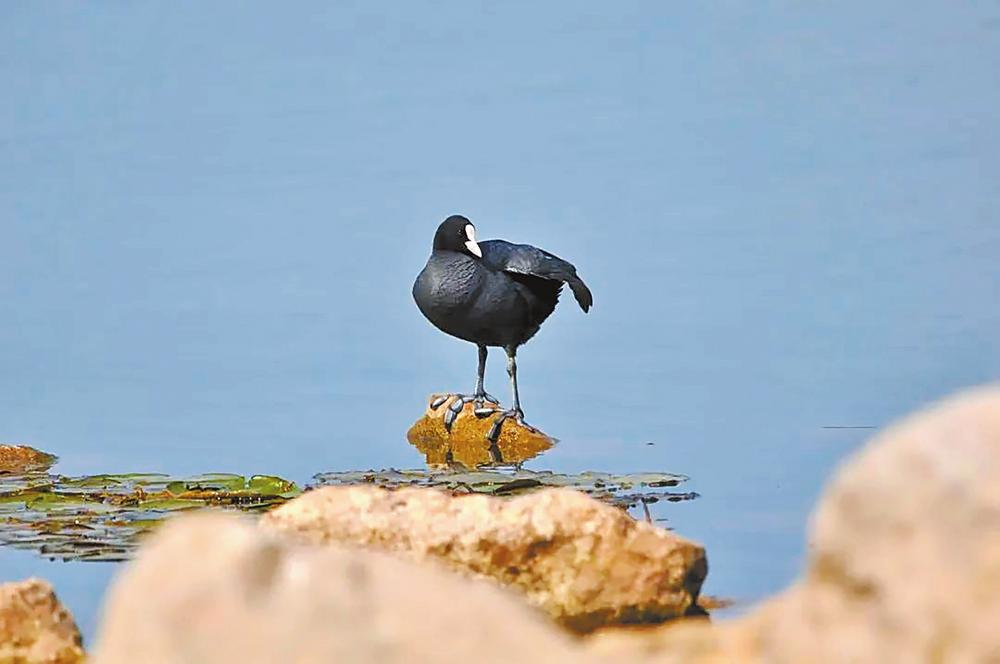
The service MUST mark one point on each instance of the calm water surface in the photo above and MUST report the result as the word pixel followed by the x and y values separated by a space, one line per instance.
pixel 211 216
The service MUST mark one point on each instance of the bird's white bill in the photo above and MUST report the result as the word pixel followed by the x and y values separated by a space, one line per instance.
pixel 472 245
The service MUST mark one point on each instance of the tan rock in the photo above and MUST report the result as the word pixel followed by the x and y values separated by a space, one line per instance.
pixel 22 459
pixel 208 589
pixel 467 443
pixel 587 564
pixel 905 558
pixel 35 628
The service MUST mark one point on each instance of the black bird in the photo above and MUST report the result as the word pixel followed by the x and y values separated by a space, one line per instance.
pixel 491 293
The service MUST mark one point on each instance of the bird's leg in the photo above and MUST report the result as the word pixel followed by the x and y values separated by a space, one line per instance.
pixel 480 394
pixel 484 403
pixel 512 372
pixel 481 376
pixel 516 413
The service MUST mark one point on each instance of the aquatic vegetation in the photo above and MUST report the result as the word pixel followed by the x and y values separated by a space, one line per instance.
pixel 103 517
pixel 623 491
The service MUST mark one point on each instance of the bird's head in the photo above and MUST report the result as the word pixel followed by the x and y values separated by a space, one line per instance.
pixel 456 233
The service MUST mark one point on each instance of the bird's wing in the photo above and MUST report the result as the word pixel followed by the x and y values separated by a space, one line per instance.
pixel 525 259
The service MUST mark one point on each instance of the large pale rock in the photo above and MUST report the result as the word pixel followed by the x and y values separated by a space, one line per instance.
pixel 905 558
pixel 35 628
pixel 467 443
pixel 209 588
pixel 586 563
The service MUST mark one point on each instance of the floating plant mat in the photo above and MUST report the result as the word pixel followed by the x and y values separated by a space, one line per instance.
pixel 103 517
pixel 623 491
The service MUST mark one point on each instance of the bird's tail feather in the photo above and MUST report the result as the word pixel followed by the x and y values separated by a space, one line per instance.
pixel 580 291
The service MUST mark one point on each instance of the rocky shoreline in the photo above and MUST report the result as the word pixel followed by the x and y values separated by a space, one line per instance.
pixel 904 565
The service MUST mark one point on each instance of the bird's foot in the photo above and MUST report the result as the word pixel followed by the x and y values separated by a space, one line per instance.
pixel 517 415
pixel 484 405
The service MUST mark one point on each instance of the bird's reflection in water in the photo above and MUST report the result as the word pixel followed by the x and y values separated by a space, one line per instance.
pixel 467 444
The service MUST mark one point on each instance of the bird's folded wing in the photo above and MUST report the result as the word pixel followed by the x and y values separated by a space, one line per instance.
pixel 526 259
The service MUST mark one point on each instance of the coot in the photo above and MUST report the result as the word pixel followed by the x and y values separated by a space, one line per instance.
pixel 491 293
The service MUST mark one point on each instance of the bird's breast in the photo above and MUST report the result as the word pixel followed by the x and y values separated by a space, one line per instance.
pixel 446 286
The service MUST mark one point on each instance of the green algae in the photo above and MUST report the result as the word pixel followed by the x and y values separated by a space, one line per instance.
pixel 625 491
pixel 103 517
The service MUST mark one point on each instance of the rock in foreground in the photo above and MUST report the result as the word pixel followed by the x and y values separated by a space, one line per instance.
pixel 35 628
pixel 210 588
pixel 905 561
pixel 583 562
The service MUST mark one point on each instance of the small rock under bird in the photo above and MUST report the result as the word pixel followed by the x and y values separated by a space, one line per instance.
pixel 492 293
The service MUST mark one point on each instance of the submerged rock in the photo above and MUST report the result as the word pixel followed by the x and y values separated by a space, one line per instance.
pixel 583 562
pixel 467 444
pixel 904 563
pixel 24 459
pixel 210 588
pixel 35 628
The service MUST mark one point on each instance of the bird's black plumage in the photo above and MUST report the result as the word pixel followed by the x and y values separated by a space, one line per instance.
pixel 492 293
pixel 497 299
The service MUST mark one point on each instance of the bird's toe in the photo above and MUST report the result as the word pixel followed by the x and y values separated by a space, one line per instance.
pixel 449 419
pixel 489 398
pixel 517 415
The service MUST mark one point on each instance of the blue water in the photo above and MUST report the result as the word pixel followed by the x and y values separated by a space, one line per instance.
pixel 211 215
